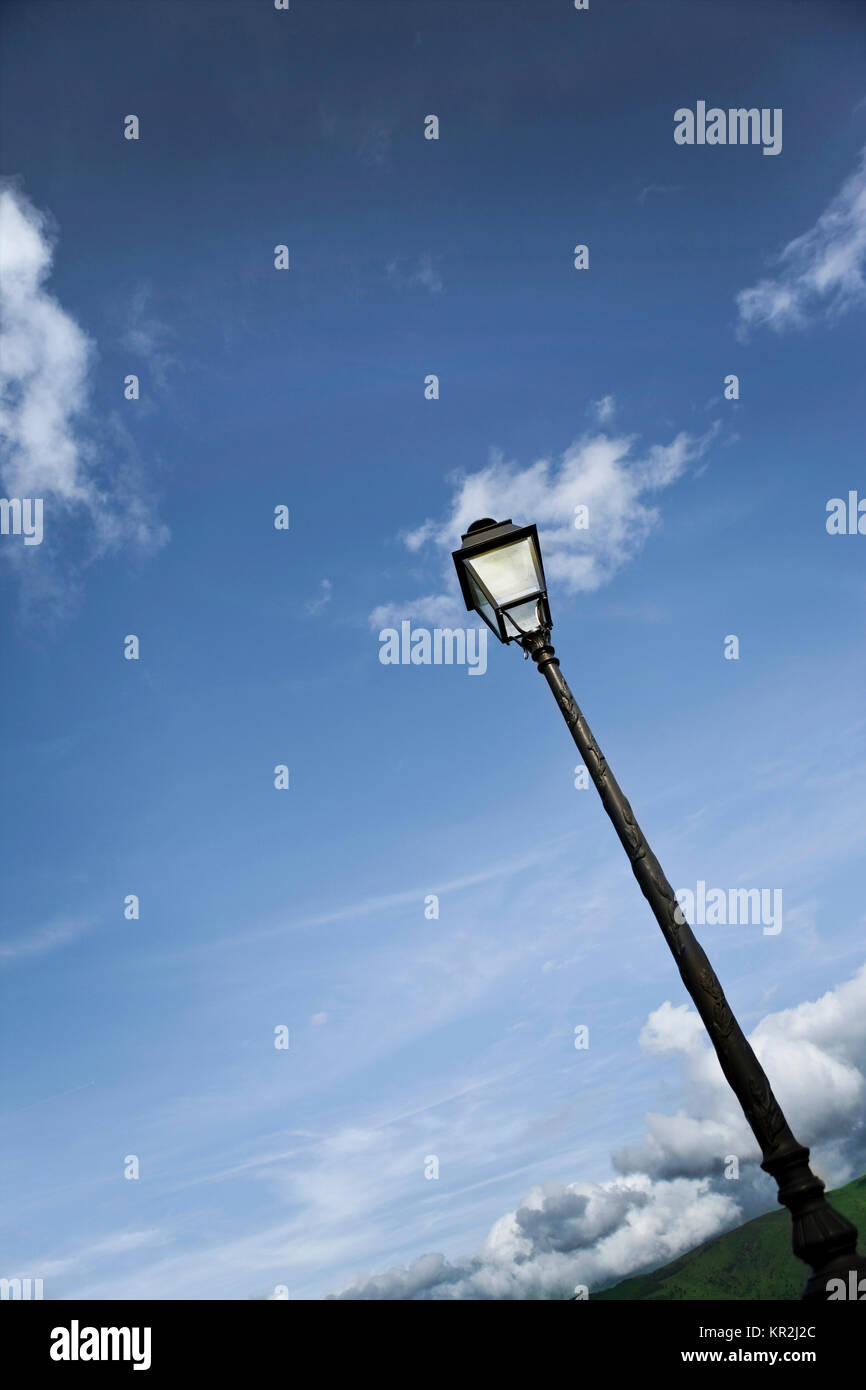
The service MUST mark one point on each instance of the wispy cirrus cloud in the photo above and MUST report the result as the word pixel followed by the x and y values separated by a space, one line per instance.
pixel 117 1243
pixel 43 939
pixel 146 335
pixel 671 1194
pixel 324 596
pixel 820 272
pixel 657 188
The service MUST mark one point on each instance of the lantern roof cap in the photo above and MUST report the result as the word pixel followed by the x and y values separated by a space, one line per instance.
pixel 486 530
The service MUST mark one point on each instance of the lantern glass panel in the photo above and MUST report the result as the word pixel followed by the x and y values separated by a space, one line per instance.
pixel 526 617
pixel 508 572
pixel 482 604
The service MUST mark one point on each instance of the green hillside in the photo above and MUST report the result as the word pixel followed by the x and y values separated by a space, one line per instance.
pixel 752 1262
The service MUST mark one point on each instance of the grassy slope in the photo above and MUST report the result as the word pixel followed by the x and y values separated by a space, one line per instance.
pixel 752 1262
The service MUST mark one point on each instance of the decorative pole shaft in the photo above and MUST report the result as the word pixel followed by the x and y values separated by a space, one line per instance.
pixel 822 1238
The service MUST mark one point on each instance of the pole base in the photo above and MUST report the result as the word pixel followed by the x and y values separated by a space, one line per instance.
pixel 843 1280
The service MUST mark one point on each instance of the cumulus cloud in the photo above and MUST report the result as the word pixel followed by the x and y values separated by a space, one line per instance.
pixel 815 1055
pixel 44 389
pixel 605 473
pixel 604 409
pixel 670 1194
pixel 820 271
pixel 672 1028
pixel 434 610
pixel 586 1233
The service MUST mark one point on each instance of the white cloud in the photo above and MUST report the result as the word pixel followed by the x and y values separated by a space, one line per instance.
pixel 118 1243
pixel 316 604
pixel 44 390
pixel 424 275
pixel 434 610
pixel 670 1195
pixel 657 188
pixel 146 336
pixel 42 939
pixel 672 1029
pixel 815 1057
pixel 821 270
pixel 562 964
pixel 45 361
pixel 605 473
pixel 586 1233
pixel 605 409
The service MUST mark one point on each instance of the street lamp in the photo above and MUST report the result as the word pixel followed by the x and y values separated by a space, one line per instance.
pixel 502 579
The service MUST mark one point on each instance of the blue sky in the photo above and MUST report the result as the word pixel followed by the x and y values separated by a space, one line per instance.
pixel 412 1037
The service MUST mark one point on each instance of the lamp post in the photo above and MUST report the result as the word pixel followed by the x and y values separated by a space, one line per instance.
pixel 502 579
